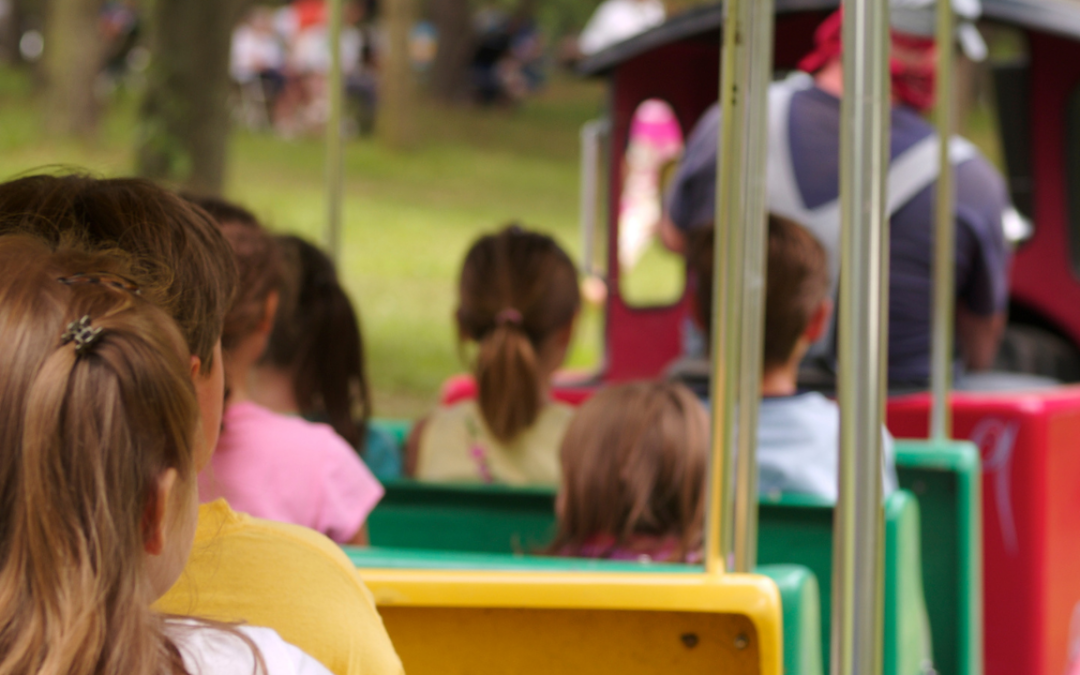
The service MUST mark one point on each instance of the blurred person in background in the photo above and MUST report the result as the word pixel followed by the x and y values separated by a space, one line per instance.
pixel 617 20
pixel 257 65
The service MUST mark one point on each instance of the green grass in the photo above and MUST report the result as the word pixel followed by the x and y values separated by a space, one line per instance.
pixel 409 216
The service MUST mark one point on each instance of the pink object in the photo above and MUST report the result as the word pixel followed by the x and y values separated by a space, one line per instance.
pixel 482 466
pixel 462 387
pixel 290 470
pixel 655 123
pixel 509 316
pixel 641 548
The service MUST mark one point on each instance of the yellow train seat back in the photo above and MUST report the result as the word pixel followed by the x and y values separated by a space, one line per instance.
pixel 483 622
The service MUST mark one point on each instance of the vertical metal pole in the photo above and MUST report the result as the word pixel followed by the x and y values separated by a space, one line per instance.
pixel 720 539
pixel 592 134
pixel 755 236
pixel 746 70
pixel 944 234
pixel 858 619
pixel 334 168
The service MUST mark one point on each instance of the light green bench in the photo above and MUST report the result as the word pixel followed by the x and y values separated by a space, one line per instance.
pixel 946 478
pixel 799 530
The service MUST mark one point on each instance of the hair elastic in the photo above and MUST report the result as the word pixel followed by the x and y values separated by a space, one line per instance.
pixel 508 316
pixel 82 334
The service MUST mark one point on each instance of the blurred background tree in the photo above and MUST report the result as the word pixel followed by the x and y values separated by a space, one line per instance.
pixel 457 41
pixel 72 62
pixel 397 112
pixel 184 120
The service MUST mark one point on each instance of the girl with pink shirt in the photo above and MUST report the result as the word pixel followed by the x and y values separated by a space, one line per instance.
pixel 274 466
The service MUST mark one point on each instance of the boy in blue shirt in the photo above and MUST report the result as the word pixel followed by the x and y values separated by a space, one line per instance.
pixel 798 433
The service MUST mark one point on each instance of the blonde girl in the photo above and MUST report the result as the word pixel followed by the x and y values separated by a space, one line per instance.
pixel 98 436
pixel 633 475
pixel 517 301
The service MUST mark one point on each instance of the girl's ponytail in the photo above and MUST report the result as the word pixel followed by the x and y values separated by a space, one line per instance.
pixel 518 290
pixel 318 341
pixel 508 381
pixel 96 402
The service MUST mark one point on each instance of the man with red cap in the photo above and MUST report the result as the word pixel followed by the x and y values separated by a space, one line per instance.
pixel 803 185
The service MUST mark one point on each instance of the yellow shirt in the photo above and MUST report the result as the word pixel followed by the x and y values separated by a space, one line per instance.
pixel 456 445
pixel 284 577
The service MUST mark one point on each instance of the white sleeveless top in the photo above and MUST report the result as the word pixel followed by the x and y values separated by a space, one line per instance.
pixel 212 651
pixel 457 446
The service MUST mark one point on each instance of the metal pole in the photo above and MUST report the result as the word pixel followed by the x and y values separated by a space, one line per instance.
pixel 334 168
pixel 592 134
pixel 720 539
pixel 755 237
pixel 944 233
pixel 746 69
pixel 857 618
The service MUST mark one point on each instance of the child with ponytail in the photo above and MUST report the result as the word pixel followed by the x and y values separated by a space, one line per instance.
pixel 518 298
pixel 99 431
pixel 273 466
pixel 314 364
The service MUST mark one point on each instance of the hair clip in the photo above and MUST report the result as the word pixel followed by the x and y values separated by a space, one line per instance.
pixel 508 316
pixel 103 278
pixel 82 334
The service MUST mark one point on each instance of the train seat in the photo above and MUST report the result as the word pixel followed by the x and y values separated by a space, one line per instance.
pixel 493 613
pixel 946 479
pixel 396 429
pixel 796 529
pixel 1030 462
pixel 496 519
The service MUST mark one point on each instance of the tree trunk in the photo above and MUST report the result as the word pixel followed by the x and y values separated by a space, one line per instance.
pixel 73 54
pixel 185 112
pixel 9 32
pixel 397 105
pixel 450 71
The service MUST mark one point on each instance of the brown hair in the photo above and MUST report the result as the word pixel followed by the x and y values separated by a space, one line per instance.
pixel 317 339
pixel 517 290
pixel 84 435
pixel 634 462
pixel 179 257
pixel 797 280
pixel 258 266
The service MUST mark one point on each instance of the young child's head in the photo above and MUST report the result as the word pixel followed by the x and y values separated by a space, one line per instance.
pixel 797 305
pixel 634 465
pixel 518 297
pixel 98 431
pixel 317 341
pixel 257 257
pixel 178 256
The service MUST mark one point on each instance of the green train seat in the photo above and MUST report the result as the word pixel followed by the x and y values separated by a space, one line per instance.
pixel 946 479
pixel 796 529
pixel 396 429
